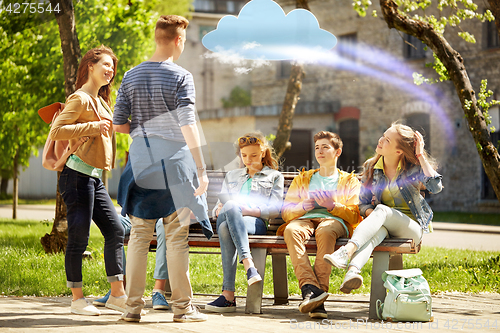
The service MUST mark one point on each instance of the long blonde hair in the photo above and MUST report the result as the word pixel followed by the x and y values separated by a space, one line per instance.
pixel 269 159
pixel 406 142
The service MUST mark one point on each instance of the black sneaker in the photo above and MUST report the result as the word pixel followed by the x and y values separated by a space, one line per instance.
pixel 319 312
pixel 312 298
pixel 221 305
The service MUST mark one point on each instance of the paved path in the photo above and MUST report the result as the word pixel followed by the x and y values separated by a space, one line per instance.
pixel 452 313
pixel 448 235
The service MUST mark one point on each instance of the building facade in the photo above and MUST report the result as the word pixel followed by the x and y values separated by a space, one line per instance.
pixel 367 85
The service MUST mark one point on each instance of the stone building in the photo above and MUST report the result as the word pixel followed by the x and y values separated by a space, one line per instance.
pixel 366 86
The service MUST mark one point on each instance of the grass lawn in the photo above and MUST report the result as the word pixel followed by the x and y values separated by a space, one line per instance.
pixel 25 269
pixel 471 218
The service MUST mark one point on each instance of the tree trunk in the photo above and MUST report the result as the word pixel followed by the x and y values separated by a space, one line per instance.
pixel 495 9
pixel 4 186
pixel 285 125
pixel 15 190
pixel 57 239
pixel 69 42
pixel 454 63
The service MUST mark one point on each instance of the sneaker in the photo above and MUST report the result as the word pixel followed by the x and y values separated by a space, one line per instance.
pixel 194 315
pixel 102 301
pixel 319 312
pixel 253 276
pixel 221 305
pixel 339 258
pixel 131 317
pixel 117 303
pixel 312 298
pixel 159 301
pixel 84 307
pixel 352 280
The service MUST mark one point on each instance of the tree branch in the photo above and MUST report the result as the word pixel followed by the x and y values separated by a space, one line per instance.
pixel 454 63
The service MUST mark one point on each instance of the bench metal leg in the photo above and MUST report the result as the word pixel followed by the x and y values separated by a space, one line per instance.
pixel 280 279
pixel 380 265
pixel 254 292
pixel 396 261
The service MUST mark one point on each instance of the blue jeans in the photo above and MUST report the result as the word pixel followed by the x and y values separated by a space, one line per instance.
pixel 233 229
pixel 86 199
pixel 161 271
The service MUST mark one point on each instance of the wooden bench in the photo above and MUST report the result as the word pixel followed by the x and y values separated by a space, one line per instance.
pixel 387 255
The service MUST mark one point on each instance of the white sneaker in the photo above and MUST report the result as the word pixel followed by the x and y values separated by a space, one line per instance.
pixel 352 280
pixel 83 307
pixel 116 303
pixel 339 258
pixel 193 316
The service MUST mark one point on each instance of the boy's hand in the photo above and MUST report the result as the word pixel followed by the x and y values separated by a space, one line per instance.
pixel 308 204
pixel 324 199
pixel 203 180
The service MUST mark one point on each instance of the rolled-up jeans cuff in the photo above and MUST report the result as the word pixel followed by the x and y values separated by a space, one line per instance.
pixel 249 256
pixel 71 284
pixel 355 266
pixel 354 242
pixel 115 278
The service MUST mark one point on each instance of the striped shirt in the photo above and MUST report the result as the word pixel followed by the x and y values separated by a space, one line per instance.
pixel 159 97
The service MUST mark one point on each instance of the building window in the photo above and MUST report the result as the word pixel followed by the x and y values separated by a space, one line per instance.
pixel 421 122
pixel 413 48
pixel 219 6
pixel 346 46
pixel 205 29
pixel 284 69
pixel 490 35
pixel 349 133
pixel 300 154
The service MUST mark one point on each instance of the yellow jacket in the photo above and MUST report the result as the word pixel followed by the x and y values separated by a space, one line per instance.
pixel 78 119
pixel 346 200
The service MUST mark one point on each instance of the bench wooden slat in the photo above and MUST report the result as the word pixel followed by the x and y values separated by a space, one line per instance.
pixel 393 245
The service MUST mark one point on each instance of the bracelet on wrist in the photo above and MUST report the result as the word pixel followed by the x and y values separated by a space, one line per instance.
pixel 418 156
pixel 202 168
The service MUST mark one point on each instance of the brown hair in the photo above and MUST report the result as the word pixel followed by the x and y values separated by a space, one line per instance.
pixel 334 138
pixel 168 27
pixel 269 159
pixel 405 142
pixel 93 56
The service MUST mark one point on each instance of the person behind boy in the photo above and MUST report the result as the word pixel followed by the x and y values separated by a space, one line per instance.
pixel 321 202
pixel 165 175
pixel 161 273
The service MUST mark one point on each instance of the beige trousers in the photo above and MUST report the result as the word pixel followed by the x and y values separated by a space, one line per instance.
pixel 176 236
pixel 326 232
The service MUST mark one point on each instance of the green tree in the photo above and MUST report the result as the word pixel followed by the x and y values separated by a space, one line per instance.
pixel 417 18
pixel 237 97
pixel 29 79
pixel 33 73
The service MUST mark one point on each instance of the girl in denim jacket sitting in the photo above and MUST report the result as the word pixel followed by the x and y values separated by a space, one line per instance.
pixel 390 200
pixel 250 196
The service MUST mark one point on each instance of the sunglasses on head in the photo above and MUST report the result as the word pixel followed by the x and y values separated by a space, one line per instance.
pixel 251 140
